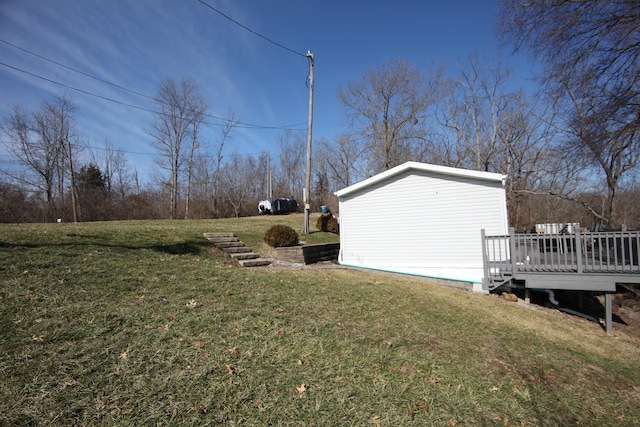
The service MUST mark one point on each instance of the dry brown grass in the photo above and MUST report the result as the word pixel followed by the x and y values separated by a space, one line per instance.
pixel 141 323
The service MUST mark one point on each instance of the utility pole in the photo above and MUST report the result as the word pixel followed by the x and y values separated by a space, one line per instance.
pixel 269 190
pixel 307 190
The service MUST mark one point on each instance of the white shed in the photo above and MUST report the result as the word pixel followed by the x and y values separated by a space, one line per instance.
pixel 422 219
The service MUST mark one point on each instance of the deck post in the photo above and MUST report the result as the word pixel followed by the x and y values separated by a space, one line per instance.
pixel 577 248
pixel 581 299
pixel 608 314
pixel 485 262
pixel 512 249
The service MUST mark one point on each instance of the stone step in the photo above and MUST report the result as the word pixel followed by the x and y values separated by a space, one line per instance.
pixel 218 235
pixel 223 245
pixel 223 239
pixel 258 262
pixel 238 250
pixel 245 255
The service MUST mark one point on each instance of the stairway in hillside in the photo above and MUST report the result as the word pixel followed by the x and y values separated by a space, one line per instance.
pixel 236 249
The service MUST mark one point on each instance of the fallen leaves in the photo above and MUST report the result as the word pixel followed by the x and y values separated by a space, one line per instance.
pixel 230 369
pixel 302 389
pixel 69 383
pixel 413 407
pixel 198 409
pixel 191 304
pixel 305 359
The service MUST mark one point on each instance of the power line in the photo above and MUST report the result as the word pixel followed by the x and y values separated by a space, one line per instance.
pixel 252 31
pixel 75 88
pixel 201 156
pixel 244 125
pixel 75 70
pixel 12 157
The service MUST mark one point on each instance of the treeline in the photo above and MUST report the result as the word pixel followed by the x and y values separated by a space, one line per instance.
pixel 569 149
pixel 50 185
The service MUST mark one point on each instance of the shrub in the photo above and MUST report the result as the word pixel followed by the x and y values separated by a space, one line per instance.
pixel 281 235
pixel 333 226
pixel 321 223
pixel 327 222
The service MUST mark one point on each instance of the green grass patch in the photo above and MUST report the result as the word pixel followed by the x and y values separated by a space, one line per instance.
pixel 144 323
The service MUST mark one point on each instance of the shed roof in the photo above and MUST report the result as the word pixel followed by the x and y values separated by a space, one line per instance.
pixel 423 167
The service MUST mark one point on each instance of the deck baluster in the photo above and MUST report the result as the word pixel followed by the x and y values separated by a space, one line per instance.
pixel 578 250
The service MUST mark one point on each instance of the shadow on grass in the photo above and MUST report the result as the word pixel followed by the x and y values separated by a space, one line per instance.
pixel 583 304
pixel 190 247
pixel 183 248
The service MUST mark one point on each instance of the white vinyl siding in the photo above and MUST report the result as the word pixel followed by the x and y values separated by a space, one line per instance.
pixel 421 222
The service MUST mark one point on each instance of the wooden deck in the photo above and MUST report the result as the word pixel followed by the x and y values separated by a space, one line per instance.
pixel 588 261
pixel 593 260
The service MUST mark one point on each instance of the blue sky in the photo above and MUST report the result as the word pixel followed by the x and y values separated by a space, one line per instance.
pixel 138 43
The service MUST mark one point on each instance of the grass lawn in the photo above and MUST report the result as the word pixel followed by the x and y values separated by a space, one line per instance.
pixel 144 323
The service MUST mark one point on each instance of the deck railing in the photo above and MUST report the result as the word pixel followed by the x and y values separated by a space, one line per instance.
pixel 581 252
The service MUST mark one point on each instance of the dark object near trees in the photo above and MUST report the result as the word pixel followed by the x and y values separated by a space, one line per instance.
pixel 277 206
pixel 280 235
pixel 327 222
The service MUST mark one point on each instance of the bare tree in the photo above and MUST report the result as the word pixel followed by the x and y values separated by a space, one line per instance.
pixel 596 138
pixel 291 174
pixel 34 150
pixel 61 111
pixel 45 142
pixel 343 159
pixel 237 180
pixel 388 109
pixel 181 112
pixel 526 154
pixel 117 176
pixel 118 179
pixel 192 148
pixel 230 123
pixel 203 195
pixel 590 51
pixel 475 110
pixel 200 192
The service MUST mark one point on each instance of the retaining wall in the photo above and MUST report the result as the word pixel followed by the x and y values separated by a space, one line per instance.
pixel 309 254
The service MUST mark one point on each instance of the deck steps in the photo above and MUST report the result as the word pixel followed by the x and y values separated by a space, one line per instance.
pixel 236 249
